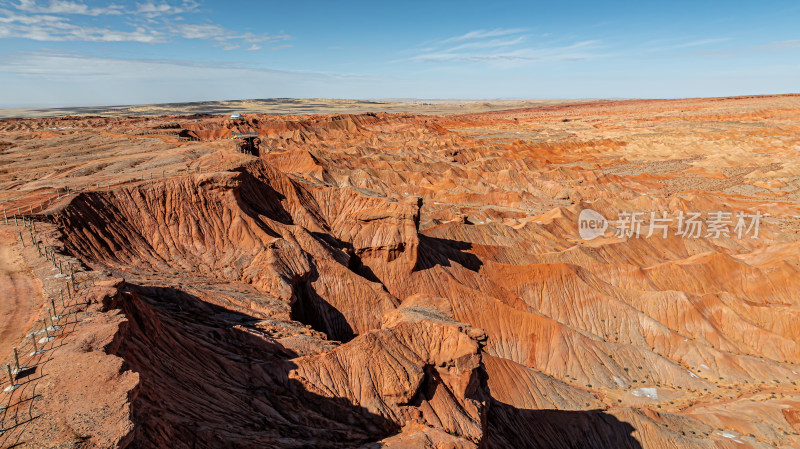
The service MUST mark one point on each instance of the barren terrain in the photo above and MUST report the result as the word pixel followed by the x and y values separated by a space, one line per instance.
pixel 285 106
pixel 21 297
pixel 403 279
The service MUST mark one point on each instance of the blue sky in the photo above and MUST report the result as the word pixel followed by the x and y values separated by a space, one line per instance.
pixel 73 52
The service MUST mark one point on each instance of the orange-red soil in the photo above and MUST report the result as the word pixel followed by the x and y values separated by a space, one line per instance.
pixel 400 280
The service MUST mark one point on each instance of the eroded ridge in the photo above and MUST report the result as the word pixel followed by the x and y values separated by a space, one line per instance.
pixel 395 280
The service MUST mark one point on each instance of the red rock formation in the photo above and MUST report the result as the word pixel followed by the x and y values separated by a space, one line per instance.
pixel 384 280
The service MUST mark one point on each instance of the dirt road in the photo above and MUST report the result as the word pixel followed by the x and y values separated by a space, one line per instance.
pixel 20 294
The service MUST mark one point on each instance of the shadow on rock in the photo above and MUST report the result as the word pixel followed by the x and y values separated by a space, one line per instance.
pixel 435 251
pixel 557 429
pixel 208 379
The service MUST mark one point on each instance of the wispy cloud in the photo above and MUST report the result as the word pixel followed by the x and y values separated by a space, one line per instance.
pixel 65 66
pixel 57 65
pixel 483 34
pixel 149 22
pixel 205 31
pixel 779 46
pixel 73 78
pixel 54 29
pixel 493 43
pixel 227 39
pixel 701 42
pixel 505 46
pixel 152 9
pixel 666 45
pixel 65 7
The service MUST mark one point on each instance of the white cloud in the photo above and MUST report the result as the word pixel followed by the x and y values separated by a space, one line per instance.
pixel 252 38
pixel 150 22
pixel 206 31
pixel 65 7
pixel 10 17
pixel 225 38
pixel 493 43
pixel 59 29
pixel 254 47
pixel 152 9
pixel 482 34
pixel 149 9
pixel 58 66
pixel 508 52
pixel 701 42
pixel 505 47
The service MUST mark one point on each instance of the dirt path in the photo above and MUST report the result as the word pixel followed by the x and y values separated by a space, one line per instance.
pixel 20 294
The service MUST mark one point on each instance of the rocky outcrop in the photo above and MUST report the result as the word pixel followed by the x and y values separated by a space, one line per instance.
pixel 415 370
pixel 382 280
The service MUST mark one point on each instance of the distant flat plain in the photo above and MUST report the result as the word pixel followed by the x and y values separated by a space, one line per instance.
pixel 290 106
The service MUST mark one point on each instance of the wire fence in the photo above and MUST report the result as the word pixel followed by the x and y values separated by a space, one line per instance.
pixel 62 311
pixel 60 314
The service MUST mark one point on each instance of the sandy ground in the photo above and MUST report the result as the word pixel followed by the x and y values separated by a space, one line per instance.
pixel 21 293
